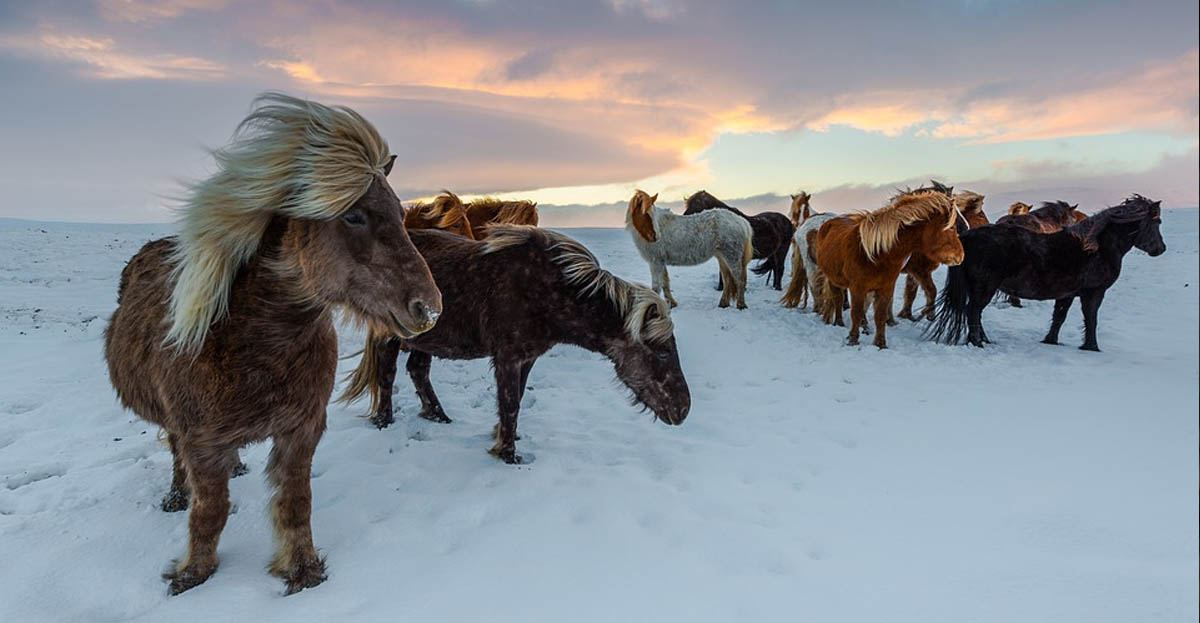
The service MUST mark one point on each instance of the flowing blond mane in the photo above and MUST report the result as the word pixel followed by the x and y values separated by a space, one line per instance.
pixel 445 211
pixel 521 212
pixel 880 229
pixel 290 156
pixel 968 202
pixel 582 270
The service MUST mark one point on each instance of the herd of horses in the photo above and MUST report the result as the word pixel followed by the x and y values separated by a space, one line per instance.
pixel 224 334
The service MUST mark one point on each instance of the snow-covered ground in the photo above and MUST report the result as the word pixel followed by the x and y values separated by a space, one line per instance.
pixel 811 482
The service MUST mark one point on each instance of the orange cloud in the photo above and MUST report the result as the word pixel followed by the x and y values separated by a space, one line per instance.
pixel 105 60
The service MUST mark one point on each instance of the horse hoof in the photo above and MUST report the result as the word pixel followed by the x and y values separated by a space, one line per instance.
pixel 1050 341
pixel 174 501
pixel 189 577
pixel 723 304
pixel 496 433
pixel 1095 348
pixel 434 415
pixel 382 420
pixel 891 322
pixel 907 315
pixel 239 470
pixel 306 574
pixel 881 345
pixel 508 455
pixel 741 306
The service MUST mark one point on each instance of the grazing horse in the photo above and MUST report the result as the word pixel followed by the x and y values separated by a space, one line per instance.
pixel 1051 217
pixel 772 234
pixel 223 336
pixel 865 252
pixel 446 212
pixel 1019 208
pixel 513 297
pixel 666 239
pixel 491 211
pixel 919 270
pixel 1083 260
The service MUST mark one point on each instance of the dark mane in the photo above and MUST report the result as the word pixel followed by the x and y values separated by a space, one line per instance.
pixel 1054 210
pixel 934 185
pixel 1133 209
pixel 702 200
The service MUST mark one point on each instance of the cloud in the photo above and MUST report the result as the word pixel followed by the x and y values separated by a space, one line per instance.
pixel 103 59
pixel 149 11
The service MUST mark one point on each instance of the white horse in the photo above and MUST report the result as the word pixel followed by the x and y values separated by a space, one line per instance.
pixel 806 277
pixel 667 239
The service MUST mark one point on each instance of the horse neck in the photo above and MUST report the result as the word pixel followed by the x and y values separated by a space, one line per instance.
pixel 590 323
pixel 908 241
pixel 1116 239
pixel 266 297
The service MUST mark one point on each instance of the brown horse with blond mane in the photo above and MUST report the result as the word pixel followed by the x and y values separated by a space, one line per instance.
pixel 919 270
pixel 492 211
pixel 446 212
pixel 864 253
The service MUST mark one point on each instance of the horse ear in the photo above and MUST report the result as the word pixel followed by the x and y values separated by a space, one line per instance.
pixel 654 198
pixel 794 197
pixel 387 168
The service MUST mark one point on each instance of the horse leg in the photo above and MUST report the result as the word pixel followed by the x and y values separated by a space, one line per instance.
pixel 858 314
pixel 720 281
pixel 740 284
pixel 177 498
pixel 525 368
pixel 978 298
pixel 1061 307
pixel 666 286
pixel 726 275
pixel 208 479
pixel 290 471
pixel 835 297
pixel 869 301
pixel 929 288
pixel 910 297
pixel 1090 302
pixel 385 364
pixel 418 371
pixel 508 398
pixel 883 309
pixel 780 260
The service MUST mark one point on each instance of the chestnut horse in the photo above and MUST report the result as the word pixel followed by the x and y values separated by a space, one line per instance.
pixel 223 335
pixel 771 231
pixel 1019 208
pixel 666 239
pixel 513 297
pixel 919 270
pixel 488 211
pixel 446 212
pixel 865 252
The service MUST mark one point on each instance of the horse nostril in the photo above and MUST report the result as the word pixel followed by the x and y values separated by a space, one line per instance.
pixel 422 313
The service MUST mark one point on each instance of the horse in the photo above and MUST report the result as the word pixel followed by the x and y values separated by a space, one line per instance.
pixel 446 212
pixel 865 252
pixel 772 234
pixel 1082 260
pixel 919 270
pixel 800 210
pixel 806 277
pixel 1051 217
pixel 513 297
pixel 488 211
pixel 223 335
pixel 1018 208
pixel 666 239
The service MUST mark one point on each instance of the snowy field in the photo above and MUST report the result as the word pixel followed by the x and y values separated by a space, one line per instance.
pixel 811 482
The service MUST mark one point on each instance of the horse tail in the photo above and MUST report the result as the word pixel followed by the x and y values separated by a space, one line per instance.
pixel 765 266
pixel 951 317
pixel 365 377
pixel 748 251
pixel 798 285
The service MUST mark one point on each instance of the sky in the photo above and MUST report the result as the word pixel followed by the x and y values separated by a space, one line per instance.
pixel 107 105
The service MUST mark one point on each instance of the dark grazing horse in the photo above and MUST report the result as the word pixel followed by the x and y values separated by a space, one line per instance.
pixel 1083 260
pixel 224 335
pixel 513 297
pixel 1051 217
pixel 772 235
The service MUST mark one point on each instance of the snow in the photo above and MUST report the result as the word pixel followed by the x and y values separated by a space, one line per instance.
pixel 812 481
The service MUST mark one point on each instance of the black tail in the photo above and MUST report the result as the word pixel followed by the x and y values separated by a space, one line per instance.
pixel 951 318
pixel 765 266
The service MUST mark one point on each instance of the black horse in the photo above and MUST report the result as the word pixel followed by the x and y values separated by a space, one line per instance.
pixel 513 297
pixel 1083 260
pixel 772 234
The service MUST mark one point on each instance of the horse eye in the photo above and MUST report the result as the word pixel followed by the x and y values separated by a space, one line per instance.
pixel 353 217
pixel 663 356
